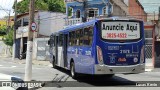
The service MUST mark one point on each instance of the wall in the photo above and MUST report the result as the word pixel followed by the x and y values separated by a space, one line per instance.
pixel 136 10
pixel 5 51
pixel 50 22
pixel 47 22
pixel 119 8
pixel 99 7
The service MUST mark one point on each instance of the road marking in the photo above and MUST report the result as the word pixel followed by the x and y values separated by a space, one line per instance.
pixel 9 67
pixel 14 66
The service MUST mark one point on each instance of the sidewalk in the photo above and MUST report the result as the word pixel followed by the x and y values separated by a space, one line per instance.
pixel 23 61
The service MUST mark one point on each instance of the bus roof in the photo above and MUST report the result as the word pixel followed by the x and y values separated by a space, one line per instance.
pixel 76 26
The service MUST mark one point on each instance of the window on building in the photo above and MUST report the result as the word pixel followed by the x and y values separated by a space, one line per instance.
pixel 104 11
pixel 93 12
pixel 19 23
pixel 25 21
pixel 78 14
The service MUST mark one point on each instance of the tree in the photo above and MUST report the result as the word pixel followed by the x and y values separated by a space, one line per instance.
pixel 56 5
pixel 50 5
pixel 2 30
pixel 8 39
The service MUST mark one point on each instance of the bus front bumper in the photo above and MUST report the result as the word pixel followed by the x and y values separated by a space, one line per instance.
pixel 133 69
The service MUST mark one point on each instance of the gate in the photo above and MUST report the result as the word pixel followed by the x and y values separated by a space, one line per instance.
pixel 149 46
pixel 42 48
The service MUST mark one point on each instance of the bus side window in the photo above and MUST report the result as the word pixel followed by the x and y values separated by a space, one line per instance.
pixel 72 38
pixel 77 37
pixel 81 37
pixel 88 35
pixel 60 43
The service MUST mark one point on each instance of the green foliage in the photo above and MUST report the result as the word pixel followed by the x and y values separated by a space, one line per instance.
pixel 2 30
pixel 50 5
pixel 8 39
pixel 56 5
pixel 23 6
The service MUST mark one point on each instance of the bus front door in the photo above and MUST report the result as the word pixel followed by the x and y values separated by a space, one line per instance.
pixel 65 45
pixel 56 49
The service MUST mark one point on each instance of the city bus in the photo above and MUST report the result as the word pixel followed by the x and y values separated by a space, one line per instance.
pixel 100 47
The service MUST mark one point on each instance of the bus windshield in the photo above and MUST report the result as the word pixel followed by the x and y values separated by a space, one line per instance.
pixel 120 30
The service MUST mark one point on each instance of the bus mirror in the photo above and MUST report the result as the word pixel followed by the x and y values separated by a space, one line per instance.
pixel 48 42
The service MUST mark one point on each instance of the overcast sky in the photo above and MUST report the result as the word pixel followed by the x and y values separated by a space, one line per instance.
pixel 149 5
pixel 6 4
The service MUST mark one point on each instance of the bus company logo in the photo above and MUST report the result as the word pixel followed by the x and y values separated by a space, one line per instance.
pixel 122 60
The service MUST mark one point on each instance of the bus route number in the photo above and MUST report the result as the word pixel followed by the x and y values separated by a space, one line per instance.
pixel 124 51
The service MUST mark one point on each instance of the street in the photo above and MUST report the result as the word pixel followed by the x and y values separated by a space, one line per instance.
pixel 48 74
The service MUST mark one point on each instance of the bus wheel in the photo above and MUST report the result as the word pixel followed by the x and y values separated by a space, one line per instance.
pixel 72 69
pixel 54 63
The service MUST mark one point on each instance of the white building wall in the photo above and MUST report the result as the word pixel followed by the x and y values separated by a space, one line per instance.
pixel 44 23
pixel 120 8
pixel 50 22
pixel 57 22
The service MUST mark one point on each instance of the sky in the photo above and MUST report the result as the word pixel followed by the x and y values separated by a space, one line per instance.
pixel 7 5
pixel 149 5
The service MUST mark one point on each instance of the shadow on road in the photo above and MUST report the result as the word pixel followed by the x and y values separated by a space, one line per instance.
pixel 91 81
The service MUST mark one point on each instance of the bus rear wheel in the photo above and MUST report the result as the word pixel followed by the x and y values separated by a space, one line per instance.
pixel 72 70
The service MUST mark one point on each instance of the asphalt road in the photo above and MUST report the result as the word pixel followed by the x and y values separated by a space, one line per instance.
pixel 60 79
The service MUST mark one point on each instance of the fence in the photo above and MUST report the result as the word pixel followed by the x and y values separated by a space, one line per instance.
pixel 149 47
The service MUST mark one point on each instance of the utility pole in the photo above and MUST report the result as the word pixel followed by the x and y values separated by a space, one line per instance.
pixel 109 8
pixel 15 27
pixel 28 67
pixel 85 6
pixel 154 16
pixel 8 24
pixel 159 16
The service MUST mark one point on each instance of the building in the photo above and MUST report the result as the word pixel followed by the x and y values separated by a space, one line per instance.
pixel 47 23
pixel 119 8
pixel 136 10
pixel 93 9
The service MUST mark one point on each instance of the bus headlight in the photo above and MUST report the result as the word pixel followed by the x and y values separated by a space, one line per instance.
pixel 99 55
pixel 142 55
